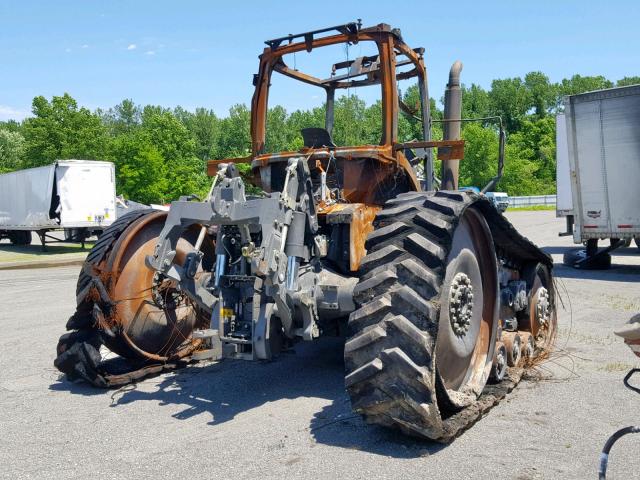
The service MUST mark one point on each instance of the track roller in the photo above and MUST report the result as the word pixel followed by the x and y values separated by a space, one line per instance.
pixel 528 347
pixel 513 343
pixel 499 366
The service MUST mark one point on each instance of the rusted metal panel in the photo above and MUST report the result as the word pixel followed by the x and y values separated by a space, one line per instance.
pixel 359 217
pixel 447 149
pixel 361 227
pixel 451 152
pixel 364 169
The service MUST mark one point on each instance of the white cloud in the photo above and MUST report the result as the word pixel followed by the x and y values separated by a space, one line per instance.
pixel 85 46
pixel 150 52
pixel 132 46
pixel 10 113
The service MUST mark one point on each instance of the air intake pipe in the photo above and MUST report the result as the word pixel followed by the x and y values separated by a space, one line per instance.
pixel 452 111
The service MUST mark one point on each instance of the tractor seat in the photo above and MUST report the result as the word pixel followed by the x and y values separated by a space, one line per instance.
pixel 317 138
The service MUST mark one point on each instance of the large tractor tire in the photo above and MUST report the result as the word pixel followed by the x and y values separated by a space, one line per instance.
pixel 421 346
pixel 129 308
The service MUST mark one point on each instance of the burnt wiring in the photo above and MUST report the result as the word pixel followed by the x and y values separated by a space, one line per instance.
pixel 557 354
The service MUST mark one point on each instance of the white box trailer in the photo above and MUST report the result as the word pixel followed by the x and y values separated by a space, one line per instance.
pixel 564 200
pixel 603 150
pixel 75 195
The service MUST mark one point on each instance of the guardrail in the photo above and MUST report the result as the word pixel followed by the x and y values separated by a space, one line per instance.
pixel 532 200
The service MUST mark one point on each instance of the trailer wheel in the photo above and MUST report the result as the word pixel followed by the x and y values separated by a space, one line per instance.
pixel 626 244
pixel 76 234
pixel 600 261
pixel 20 237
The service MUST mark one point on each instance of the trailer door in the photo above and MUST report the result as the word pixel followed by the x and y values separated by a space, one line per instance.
pixel 590 168
pixel 564 202
pixel 621 142
pixel 87 193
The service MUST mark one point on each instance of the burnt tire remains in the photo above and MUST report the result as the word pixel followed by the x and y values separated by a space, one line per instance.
pixel 124 322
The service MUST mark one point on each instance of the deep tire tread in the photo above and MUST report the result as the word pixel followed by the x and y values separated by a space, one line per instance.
pixel 389 354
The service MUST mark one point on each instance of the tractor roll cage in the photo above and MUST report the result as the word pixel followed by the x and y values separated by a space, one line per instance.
pixel 380 69
pixel 377 69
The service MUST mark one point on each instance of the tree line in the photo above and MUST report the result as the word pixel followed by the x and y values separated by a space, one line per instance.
pixel 161 153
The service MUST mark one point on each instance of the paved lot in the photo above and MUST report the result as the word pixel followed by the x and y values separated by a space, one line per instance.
pixel 291 418
pixel 56 254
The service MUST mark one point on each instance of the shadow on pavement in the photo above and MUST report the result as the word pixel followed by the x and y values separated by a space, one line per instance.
pixel 35 249
pixel 77 388
pixel 622 252
pixel 228 388
pixel 619 272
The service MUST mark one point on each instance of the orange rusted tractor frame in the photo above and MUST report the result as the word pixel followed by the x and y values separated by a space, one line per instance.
pixel 363 181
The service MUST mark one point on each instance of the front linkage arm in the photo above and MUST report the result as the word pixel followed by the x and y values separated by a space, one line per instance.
pixel 286 220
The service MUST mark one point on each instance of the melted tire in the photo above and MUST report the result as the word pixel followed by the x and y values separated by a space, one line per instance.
pixel 78 352
pixel 576 259
pixel 391 372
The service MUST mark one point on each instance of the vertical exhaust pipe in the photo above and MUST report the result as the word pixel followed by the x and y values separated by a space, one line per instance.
pixel 452 111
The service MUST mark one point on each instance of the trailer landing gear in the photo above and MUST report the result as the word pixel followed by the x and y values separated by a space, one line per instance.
pixel 590 258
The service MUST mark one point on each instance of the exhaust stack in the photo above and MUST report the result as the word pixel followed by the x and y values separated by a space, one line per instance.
pixel 452 111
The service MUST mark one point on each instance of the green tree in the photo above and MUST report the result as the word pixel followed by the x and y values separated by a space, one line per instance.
pixel 519 175
pixel 579 84
pixel 623 82
pixel 475 102
pixel 480 156
pixel 203 125
pixel 278 135
pixel 536 141
pixel 234 139
pixel 542 92
pixel 11 126
pixel 186 172
pixel 12 148
pixel 61 130
pixel 511 99
pixel 348 128
pixel 123 118
pixel 141 173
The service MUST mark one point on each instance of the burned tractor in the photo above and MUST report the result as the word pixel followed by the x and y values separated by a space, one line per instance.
pixel 443 304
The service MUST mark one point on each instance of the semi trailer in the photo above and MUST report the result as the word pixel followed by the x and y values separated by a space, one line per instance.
pixel 75 195
pixel 598 172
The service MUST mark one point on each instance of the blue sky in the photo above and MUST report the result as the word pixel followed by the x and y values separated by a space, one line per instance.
pixel 203 53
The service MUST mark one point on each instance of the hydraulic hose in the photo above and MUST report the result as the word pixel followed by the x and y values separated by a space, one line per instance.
pixel 604 456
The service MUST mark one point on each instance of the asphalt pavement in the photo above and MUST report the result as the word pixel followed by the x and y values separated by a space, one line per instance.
pixel 291 418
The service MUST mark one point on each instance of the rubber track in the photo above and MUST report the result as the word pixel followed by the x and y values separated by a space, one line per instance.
pixel 389 362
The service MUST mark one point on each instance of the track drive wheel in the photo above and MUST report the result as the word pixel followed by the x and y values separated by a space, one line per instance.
pixel 541 320
pixel 421 345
